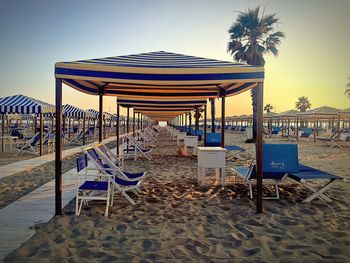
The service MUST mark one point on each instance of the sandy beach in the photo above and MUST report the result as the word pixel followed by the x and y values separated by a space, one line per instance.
pixel 175 219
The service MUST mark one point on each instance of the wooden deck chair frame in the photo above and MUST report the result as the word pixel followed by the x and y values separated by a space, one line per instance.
pixel 28 145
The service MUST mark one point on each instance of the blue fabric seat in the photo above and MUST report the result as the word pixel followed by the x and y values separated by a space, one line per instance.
pixel 94 185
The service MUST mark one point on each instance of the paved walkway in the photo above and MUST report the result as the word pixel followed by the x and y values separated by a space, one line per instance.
pixel 25 165
pixel 18 218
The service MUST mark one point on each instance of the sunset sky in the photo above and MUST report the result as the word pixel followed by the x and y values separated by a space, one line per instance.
pixel 314 59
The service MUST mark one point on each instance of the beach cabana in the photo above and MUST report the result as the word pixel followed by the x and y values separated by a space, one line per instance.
pixel 321 113
pixel 72 112
pixel 20 104
pixel 287 116
pixel 158 75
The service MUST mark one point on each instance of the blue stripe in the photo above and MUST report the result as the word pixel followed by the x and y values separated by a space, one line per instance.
pixel 159 77
pixel 162 102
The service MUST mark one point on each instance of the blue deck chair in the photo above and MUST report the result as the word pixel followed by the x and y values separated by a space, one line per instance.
pixel 91 189
pixel 236 150
pixel 306 132
pixel 17 133
pixel 306 174
pixel 30 146
pixel 213 139
pixel 130 173
pixel 278 161
pixel 121 182
pixel 134 148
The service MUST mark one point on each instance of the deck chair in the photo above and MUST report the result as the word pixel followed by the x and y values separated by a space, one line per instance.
pixel 118 162
pixel 333 140
pixel 305 133
pixel 91 189
pixel 120 182
pixel 278 161
pixel 236 150
pixel 306 174
pixel 30 146
pixel 133 148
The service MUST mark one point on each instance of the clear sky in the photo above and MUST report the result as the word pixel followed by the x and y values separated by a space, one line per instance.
pixel 314 59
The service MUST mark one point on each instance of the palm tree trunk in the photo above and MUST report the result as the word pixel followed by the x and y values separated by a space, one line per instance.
pixel 212 107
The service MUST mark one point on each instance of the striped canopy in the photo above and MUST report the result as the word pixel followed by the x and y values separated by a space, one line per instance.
pixel 159 75
pixel 161 109
pixel 94 113
pixel 74 112
pixel 24 105
pixel 321 112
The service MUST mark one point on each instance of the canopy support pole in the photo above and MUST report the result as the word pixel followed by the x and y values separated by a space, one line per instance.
pixel 223 121
pixel 259 152
pixel 197 120
pixel 69 126
pixel 41 134
pixel 84 129
pixel 138 121
pixel 100 109
pixel 205 125
pixel 141 121
pixel 127 119
pixel 133 123
pixel 212 100
pixel 190 121
pixel 117 128
pixel 58 148
pixel 3 133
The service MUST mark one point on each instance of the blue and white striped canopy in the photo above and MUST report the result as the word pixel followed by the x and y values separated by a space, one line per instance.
pixel 94 113
pixel 24 105
pixel 159 75
pixel 161 108
pixel 74 112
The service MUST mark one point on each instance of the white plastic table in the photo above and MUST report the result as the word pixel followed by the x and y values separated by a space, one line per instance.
pixel 10 139
pixel 211 157
pixel 191 141
pixel 180 137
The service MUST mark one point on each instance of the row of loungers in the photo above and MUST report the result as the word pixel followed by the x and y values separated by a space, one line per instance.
pixel 280 161
pixel 113 175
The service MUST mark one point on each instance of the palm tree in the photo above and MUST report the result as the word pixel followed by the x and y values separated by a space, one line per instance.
pixel 347 91
pixel 268 108
pixel 303 104
pixel 251 36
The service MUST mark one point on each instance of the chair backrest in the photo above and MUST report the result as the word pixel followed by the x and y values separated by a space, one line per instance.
pixel 213 139
pixel 82 163
pixel 280 158
pixel 35 139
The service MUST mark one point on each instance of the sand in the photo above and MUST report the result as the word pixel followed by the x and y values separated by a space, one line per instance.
pixel 177 220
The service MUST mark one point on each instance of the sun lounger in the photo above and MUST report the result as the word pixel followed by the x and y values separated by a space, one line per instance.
pixel 277 163
pixel 236 150
pixel 333 140
pixel 307 174
pixel 91 189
